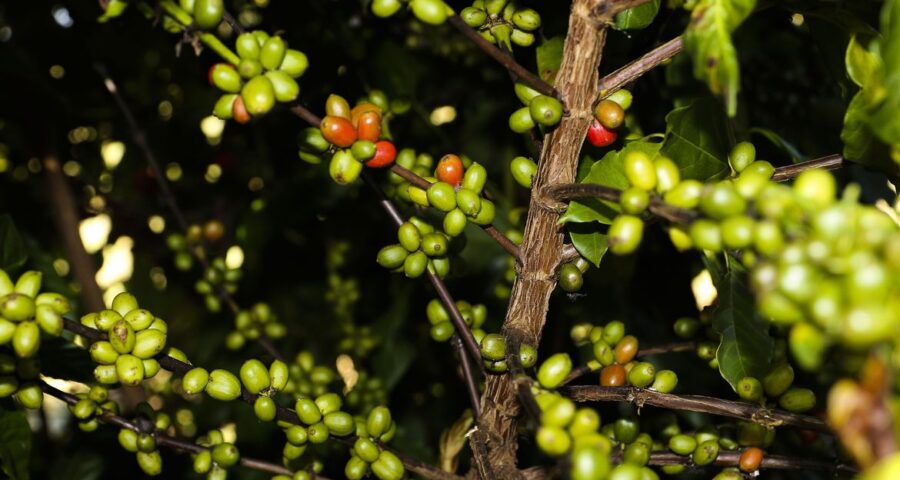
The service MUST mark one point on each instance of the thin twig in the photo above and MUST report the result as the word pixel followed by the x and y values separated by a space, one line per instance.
pixel 469 376
pixel 139 137
pixel 635 69
pixel 166 440
pixel 696 403
pixel 830 162
pixel 769 462
pixel 507 61
pixel 589 190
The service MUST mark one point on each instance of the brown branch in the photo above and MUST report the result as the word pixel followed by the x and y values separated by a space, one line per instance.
pixel 165 440
pixel 468 375
pixel 589 190
pixel 769 462
pixel 630 72
pixel 830 162
pixel 696 403
pixel 281 413
pixel 504 59
pixel 65 216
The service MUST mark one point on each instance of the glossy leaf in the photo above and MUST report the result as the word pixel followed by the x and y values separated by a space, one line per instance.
pixel 591 241
pixel 549 57
pixel 698 139
pixel 15 443
pixel 745 348
pixel 638 17
pixel 708 39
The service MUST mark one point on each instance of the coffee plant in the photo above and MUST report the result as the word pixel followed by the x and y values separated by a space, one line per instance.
pixel 505 239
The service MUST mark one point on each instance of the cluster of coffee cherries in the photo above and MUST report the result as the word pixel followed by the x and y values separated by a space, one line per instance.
pixel 432 12
pixel 217 278
pixel 421 164
pixel 420 247
pixel 539 109
pixel 502 22
pixel 91 404
pixel 308 378
pixel 614 354
pixel 368 451
pixel 367 393
pixel 645 175
pixel 217 457
pixel 24 313
pixel 777 384
pixel 442 327
pixel 321 417
pixel 250 324
pixel 134 337
pixel 704 446
pixel 266 74
pixel 493 352
pixel 185 246
pixel 456 190
pixel 355 136
pixel 207 14
pixel 609 114
pixel 142 444
pixel 18 378
pixel 219 383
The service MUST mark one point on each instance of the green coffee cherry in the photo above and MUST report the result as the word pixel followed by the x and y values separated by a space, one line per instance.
pixel 553 440
pixel 626 471
pixel 272 53
pixel 521 120
pixel 29 396
pixel 151 463
pixel 442 196
pixel 778 380
pixel 742 155
pixel 626 430
pixel 223 385
pixel 613 332
pixel 546 111
pixel 7 330
pixel 797 400
pixel 294 63
pixel 356 467
pixel 558 413
pixel 685 194
pixel 26 339
pixel 279 375
pixel 523 171
pixel 194 381
pixel 129 370
pixel 225 454
pixel 706 235
pixel 634 200
pixel 6 283
pixel 392 256
pixel 468 201
pixel 388 466
pixel 432 12
pixel 486 215
pixel 384 9
pixel 525 93
pixel 665 382
pixel 259 95
pixel 378 421
pixel 625 234
pixel 17 307
pixel 667 174
pixel 254 376
pixel 721 201
pixel 203 462
pixel 570 278
pixel 636 454
pixel 307 411
pixel 639 170
pixel 318 433
pixel 139 319
pixel 750 389
pixel 208 15
pixel 106 374
pixel 706 453
pixel 554 370
pixel 285 87
pixel 340 424
pixel 29 283
pixel 816 188
pixel 642 374
pixel 415 264
pixel 527 19
pixel 148 343
pixel 682 444
pixel 474 178
pixel 686 327
pixel 366 449
pixel 343 168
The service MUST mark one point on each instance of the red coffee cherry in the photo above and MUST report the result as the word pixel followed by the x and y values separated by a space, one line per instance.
pixel 385 153
pixel 338 131
pixel 450 170
pixel 600 136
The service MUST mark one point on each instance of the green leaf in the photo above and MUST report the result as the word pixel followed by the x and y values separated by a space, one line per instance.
pixel 610 172
pixel 708 40
pixel 698 139
pixel 12 248
pixel 863 66
pixel 590 240
pixel 859 141
pixel 15 444
pixel 885 120
pixel 638 17
pixel 745 348
pixel 549 58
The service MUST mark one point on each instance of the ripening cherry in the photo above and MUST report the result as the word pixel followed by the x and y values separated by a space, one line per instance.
pixel 338 131
pixel 239 111
pixel 600 136
pixel 450 170
pixel 385 153
pixel 369 126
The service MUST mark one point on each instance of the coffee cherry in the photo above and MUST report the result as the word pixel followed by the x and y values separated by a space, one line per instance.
pixel 546 111
pixel 378 421
pixel 486 215
pixel 626 471
pixel 343 168
pixel 742 155
pixel 338 131
pixel 527 355
pixel 7 330
pixel 493 347
pixel 706 235
pixel 392 256
pixel 721 200
pixel 388 466
pixel 415 264
pixel 600 136
pixel 363 150
pixel 665 382
pixel 558 413
pixel 521 120
pixel 626 349
pixel 294 63
pixel 272 53
pixel 385 153
pixel 239 113
pixel 17 307
pixel 384 9
pixel 129 370
pixel 686 327
pixel 685 194
pixel 640 170
pixel 468 201
pixel 523 170
pixel 642 374
pixel 706 453
pixel 409 236
pixel 224 77
pixel 225 454
pixel 285 87
pixel 570 278
pixel 737 231
pixel 247 47
pixel 750 389
pixel 203 462
pixel 609 113
pixel 625 234
pixel 366 449
pixel 369 126
pixel 636 454
pixel 815 187
pixel 604 353
pixel 340 424
pixel 527 19
pixel 442 196
pixel 667 174
pixel 223 385
pixel 613 332
pixel 148 343
pixel 554 370
pixel 208 13
pixel 60 304
pixel 8 386
pixel 473 17
pixel 328 403
pixel 634 200
pixel 626 430
pixel 778 380
pixel 432 12
pixel 151 463
pixel 553 440
pixel 797 400
pixel 254 376
pixel 26 339
pixel 682 444
pixel 307 411
pixel 258 95
pixel 450 170
pixel 525 93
